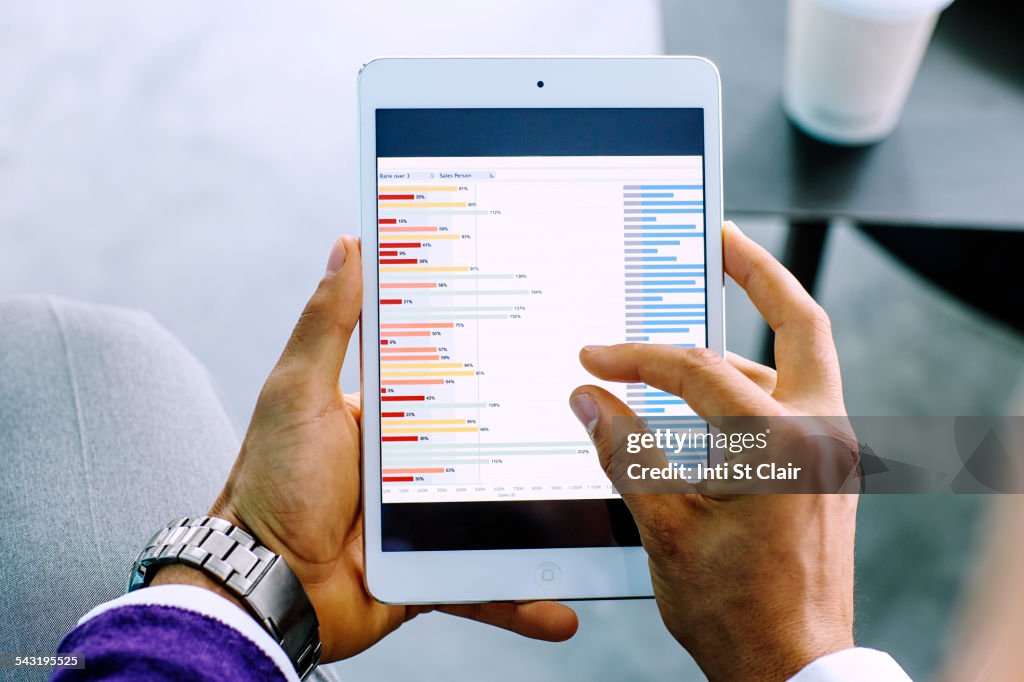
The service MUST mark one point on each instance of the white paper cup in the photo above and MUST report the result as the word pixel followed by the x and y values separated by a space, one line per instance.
pixel 850 64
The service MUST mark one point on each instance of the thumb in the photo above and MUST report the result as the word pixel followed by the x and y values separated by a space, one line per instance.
pixel 612 425
pixel 318 343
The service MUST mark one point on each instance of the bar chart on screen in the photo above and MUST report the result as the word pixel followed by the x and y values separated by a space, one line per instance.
pixel 493 273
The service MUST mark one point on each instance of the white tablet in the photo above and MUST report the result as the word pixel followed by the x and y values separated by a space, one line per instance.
pixel 513 211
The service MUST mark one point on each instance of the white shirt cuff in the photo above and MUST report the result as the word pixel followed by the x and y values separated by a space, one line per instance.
pixel 853 665
pixel 206 603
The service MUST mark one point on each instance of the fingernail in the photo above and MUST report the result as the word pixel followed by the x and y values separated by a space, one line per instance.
pixel 591 349
pixel 585 409
pixel 337 258
pixel 734 226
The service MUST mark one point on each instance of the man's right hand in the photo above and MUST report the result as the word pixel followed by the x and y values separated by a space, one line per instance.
pixel 755 587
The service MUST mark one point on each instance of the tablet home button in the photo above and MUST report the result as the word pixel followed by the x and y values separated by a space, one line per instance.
pixel 548 574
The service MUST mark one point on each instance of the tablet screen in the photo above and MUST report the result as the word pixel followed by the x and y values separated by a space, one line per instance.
pixel 508 239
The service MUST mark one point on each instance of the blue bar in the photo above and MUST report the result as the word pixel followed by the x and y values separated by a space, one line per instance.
pixel 655 226
pixel 652 394
pixel 659 330
pixel 663 210
pixel 645 187
pixel 670 313
pixel 677 401
pixel 650 243
pixel 649 195
pixel 699 272
pixel 667 306
pixel 663 203
pixel 639 299
pixel 641 251
pixel 691 290
pixel 684 345
pixel 644 219
pixel 664 267
pixel 633 323
pixel 652 410
pixel 651 259
pixel 638 338
pixel 682 418
pixel 672 282
pixel 667 313
pixel 661 235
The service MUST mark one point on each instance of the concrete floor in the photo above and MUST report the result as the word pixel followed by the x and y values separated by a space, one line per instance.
pixel 197 161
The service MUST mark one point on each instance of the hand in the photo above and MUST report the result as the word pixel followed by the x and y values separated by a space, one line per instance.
pixel 296 483
pixel 755 587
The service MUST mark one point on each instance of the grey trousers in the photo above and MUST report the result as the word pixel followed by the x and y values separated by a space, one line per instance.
pixel 109 428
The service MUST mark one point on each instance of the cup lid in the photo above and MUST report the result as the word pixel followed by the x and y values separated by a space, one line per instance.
pixel 888 10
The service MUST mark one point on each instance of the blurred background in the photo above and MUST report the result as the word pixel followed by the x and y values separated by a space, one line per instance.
pixel 196 160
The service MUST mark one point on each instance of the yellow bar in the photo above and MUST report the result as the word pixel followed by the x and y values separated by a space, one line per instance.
pixel 439 373
pixel 418 365
pixel 435 429
pixel 428 268
pixel 401 421
pixel 418 236
pixel 423 204
pixel 405 189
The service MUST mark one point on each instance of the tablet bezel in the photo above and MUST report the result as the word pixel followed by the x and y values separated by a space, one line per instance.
pixel 494 82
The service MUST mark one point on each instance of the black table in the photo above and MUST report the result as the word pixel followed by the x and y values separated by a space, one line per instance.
pixel 956 161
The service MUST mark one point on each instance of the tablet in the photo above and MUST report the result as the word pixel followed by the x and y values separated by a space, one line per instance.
pixel 514 210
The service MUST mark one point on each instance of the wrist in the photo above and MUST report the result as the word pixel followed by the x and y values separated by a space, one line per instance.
pixel 773 653
pixel 183 574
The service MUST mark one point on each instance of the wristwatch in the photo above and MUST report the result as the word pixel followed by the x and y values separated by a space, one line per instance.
pixel 260 579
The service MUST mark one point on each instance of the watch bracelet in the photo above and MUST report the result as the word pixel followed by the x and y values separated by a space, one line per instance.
pixel 239 563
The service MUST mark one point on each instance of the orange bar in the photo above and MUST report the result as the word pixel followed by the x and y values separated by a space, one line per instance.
pixel 418 349
pixel 405 228
pixel 418 325
pixel 394 358
pixel 408 285
pixel 419 470
pixel 408 334
pixel 411 382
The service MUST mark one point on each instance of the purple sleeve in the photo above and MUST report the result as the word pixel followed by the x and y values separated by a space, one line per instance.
pixel 148 642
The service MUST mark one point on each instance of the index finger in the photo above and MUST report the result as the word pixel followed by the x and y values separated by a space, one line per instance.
pixel 805 353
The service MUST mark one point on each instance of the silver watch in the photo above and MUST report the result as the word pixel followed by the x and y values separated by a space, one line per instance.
pixel 259 578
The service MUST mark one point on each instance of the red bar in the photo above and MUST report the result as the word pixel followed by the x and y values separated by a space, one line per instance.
pixel 391 301
pixel 383 342
pixel 388 253
pixel 401 245
pixel 398 479
pixel 398 261
pixel 388 221
pixel 392 414
pixel 399 439
pixel 383 390
pixel 402 397
pixel 406 197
